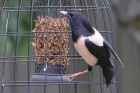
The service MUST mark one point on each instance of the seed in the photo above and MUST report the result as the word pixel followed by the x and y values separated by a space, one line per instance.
pixel 50 36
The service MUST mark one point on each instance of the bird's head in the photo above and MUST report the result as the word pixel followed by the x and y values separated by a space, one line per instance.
pixel 75 17
pixel 77 20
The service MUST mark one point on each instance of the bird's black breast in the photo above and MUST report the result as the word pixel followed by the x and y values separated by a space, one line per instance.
pixel 76 33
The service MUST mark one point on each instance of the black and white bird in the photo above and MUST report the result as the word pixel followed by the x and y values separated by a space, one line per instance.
pixel 92 47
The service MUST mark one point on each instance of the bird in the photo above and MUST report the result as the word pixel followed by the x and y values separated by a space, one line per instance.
pixel 91 46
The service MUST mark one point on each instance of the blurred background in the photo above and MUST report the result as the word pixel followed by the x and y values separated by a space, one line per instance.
pixel 126 20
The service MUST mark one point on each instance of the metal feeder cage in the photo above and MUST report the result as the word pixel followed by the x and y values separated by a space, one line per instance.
pixel 33 56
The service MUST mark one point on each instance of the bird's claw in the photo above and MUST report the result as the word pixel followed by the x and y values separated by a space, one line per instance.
pixel 72 76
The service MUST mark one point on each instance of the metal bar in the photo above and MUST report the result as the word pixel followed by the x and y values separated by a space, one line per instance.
pixel 4 53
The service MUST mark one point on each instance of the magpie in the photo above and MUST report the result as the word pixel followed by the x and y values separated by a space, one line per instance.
pixel 92 47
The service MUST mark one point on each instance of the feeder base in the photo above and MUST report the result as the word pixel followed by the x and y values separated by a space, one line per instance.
pixel 49 78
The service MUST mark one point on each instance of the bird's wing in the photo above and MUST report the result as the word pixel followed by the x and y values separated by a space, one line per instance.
pixel 112 51
pixel 100 52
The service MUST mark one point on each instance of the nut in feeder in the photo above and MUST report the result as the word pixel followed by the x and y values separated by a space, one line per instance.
pixel 51 48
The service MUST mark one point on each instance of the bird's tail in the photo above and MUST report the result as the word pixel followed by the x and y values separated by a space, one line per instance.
pixel 108 73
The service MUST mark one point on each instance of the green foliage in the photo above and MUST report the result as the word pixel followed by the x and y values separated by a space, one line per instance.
pixel 18 22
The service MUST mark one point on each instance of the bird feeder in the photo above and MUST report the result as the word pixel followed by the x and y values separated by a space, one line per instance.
pixel 40 51
pixel 51 48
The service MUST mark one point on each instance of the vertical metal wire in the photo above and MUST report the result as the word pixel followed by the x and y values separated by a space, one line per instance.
pixel 105 21
pixel 97 15
pixel 114 46
pixel 16 45
pixel 98 27
pixel 90 73
pixel 29 47
pixel 1 13
pixel 45 83
pixel 4 53
pixel 61 85
pixel 76 64
pixel 107 36
pixel 48 13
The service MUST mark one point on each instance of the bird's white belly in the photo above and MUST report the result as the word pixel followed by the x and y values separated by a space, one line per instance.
pixel 83 51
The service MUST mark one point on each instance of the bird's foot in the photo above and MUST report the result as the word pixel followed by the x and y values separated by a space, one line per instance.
pixel 72 76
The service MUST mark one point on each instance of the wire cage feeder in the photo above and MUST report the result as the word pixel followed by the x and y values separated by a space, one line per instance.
pixel 37 49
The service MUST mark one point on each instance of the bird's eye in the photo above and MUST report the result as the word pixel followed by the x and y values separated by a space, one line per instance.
pixel 73 17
